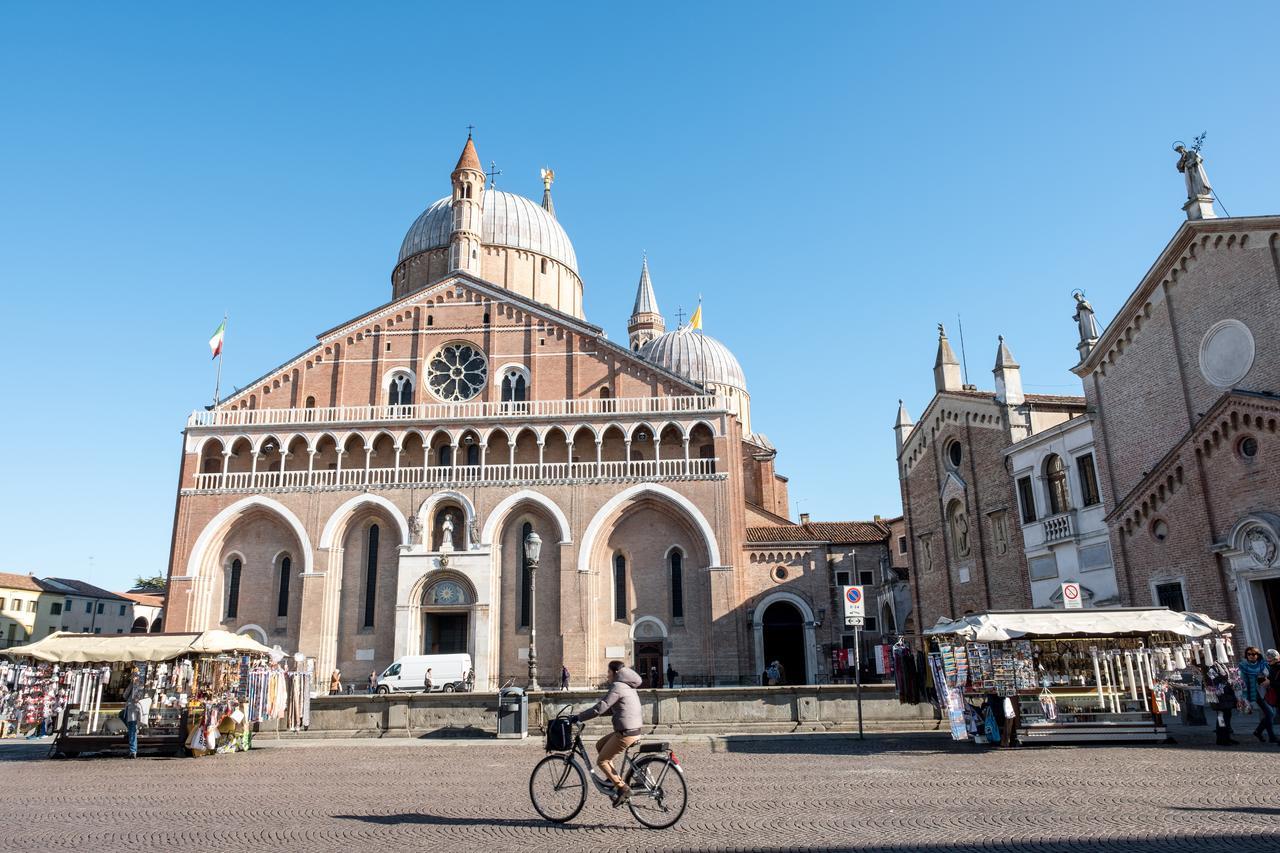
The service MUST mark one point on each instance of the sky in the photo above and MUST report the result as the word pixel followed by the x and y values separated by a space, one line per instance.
pixel 833 179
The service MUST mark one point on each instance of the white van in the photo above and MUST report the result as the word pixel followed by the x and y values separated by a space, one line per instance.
pixel 409 673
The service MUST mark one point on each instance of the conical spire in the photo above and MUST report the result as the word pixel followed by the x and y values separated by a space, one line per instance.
pixel 1004 358
pixel 903 418
pixel 470 159
pixel 946 368
pixel 548 176
pixel 646 300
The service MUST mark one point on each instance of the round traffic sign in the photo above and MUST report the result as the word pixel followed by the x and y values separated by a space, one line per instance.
pixel 1071 591
pixel 853 594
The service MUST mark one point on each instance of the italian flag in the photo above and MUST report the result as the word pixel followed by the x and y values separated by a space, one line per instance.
pixel 215 343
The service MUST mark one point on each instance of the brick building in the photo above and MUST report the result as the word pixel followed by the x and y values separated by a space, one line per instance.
pixel 381 494
pixel 1185 382
pixel 959 504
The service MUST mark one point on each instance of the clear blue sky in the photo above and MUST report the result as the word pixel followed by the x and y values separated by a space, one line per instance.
pixel 835 180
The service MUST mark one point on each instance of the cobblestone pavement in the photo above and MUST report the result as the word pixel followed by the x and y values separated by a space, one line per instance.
pixel 889 793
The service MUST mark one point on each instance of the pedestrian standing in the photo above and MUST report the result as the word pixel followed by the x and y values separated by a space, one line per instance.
pixel 373 682
pixel 671 675
pixel 1218 684
pixel 132 712
pixel 1254 674
pixel 335 682
pixel 564 678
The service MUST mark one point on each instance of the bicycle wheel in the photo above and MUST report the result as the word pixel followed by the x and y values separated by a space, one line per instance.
pixel 658 791
pixel 558 788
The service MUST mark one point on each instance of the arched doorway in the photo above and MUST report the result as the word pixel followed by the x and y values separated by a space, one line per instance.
pixel 783 635
pixel 446 618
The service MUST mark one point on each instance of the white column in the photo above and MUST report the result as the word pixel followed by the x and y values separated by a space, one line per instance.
pixel 541 447
pixel 626 454
pixel 368 455
pixel 512 445
pixel 311 467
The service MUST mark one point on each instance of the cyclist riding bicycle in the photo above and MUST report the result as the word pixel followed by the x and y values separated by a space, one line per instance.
pixel 624 704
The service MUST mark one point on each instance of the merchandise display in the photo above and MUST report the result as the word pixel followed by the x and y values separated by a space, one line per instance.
pixel 1079 675
pixel 203 693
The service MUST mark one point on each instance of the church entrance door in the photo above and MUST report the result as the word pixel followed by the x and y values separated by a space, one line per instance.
pixel 444 633
pixel 783 630
pixel 649 663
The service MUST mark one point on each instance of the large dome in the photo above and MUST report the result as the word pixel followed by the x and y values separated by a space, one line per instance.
pixel 698 357
pixel 509 220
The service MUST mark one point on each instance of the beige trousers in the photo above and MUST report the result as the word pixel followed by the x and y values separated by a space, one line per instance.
pixel 610 747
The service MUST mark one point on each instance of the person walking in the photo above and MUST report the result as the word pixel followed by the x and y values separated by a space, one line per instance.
pixel 564 678
pixel 623 703
pixel 132 712
pixel 335 682
pixel 373 682
pixel 1218 684
pixel 1255 675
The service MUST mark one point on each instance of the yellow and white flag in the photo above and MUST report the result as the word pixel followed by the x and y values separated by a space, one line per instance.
pixel 695 322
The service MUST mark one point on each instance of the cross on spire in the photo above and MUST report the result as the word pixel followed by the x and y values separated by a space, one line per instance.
pixel 470 128
pixel 493 174
pixel 680 316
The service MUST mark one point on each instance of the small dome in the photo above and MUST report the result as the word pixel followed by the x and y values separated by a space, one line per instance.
pixel 700 358
pixel 508 220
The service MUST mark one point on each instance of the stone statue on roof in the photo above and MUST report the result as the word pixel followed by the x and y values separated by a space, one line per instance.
pixel 1191 165
pixel 1085 318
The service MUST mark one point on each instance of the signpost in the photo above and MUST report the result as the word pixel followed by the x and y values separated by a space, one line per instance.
pixel 1071 596
pixel 855 615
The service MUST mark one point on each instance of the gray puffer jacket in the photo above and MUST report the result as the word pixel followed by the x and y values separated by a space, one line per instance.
pixel 622 701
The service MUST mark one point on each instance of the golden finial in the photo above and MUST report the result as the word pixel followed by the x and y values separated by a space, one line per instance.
pixel 548 177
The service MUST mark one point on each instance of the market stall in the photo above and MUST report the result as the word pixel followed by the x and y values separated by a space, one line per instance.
pixel 204 692
pixel 1069 675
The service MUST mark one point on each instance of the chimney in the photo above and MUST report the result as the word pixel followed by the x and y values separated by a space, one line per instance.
pixel 804 518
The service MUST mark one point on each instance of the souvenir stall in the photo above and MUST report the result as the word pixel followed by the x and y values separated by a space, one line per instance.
pixel 1068 675
pixel 198 689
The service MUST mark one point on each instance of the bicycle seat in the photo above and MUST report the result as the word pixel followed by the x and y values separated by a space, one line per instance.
pixel 655 746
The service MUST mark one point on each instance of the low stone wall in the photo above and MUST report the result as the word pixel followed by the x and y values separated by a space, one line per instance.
pixel 707 710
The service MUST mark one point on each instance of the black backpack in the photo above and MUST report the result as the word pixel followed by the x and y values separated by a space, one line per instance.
pixel 559 735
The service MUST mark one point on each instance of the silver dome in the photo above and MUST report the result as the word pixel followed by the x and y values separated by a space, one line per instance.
pixel 698 357
pixel 508 220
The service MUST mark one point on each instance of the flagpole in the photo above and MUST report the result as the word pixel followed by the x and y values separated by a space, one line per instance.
pixel 217 383
pixel 702 353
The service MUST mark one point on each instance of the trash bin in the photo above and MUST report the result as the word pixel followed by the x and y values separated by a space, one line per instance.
pixel 513 712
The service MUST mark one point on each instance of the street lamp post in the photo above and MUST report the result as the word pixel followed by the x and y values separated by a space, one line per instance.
pixel 532 552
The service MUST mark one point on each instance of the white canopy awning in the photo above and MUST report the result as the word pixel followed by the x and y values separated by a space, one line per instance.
pixel 65 647
pixel 998 626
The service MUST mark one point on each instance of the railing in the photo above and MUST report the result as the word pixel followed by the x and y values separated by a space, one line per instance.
pixel 419 476
pixel 437 412
pixel 1058 527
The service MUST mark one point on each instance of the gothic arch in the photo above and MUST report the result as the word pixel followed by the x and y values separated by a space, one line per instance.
pixel 640 620
pixel 661 492
pixel 341 514
pixel 222 521
pixel 504 508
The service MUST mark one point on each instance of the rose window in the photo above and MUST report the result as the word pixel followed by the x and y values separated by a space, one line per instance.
pixel 457 372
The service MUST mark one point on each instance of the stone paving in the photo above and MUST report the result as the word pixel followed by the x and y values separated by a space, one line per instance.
pixel 889 793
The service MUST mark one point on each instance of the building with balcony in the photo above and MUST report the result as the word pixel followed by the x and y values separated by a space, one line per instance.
pixel 383 493
pixel 962 524
pixel 1062 516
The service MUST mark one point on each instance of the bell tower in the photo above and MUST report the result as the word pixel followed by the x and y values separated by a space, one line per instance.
pixel 646 321
pixel 468 206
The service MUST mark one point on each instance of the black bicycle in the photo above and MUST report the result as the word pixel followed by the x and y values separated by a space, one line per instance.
pixel 558 784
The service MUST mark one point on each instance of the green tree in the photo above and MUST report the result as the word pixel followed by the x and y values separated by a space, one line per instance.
pixel 155 583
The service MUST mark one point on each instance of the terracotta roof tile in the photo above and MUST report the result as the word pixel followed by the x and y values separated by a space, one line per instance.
pixel 14 581
pixel 835 532
pixel 469 159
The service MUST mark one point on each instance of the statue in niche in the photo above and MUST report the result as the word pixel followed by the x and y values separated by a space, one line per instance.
pixel 446 532
pixel 473 528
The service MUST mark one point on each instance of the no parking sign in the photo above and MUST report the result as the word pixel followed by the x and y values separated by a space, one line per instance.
pixel 854 605
pixel 1071 596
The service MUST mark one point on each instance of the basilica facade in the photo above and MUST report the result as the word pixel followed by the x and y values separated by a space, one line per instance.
pixel 473 464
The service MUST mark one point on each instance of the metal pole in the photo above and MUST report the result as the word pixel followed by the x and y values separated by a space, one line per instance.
pixel 533 636
pixel 857 671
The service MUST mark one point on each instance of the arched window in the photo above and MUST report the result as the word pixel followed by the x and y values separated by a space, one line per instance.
pixel 515 386
pixel 282 593
pixel 606 394
pixel 544 266
pixel 233 588
pixel 1055 475
pixel 958 520
pixel 620 588
pixel 526 600
pixel 401 390
pixel 431 320
pixel 139 625
pixel 444 456
pixel 311 402
pixel 473 454
pixel 677 583
pixel 371 575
